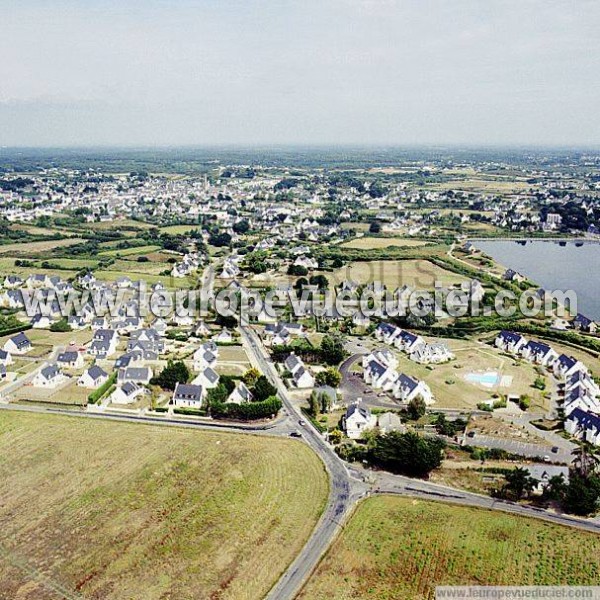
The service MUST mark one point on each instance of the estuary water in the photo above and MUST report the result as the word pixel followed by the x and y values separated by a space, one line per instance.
pixel 554 265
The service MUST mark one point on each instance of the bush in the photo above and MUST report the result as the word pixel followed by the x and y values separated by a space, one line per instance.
pixel 99 393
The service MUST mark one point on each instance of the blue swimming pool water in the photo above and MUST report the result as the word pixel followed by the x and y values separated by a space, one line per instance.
pixel 485 378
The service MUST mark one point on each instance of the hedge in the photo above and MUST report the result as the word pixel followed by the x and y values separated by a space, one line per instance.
pixel 103 389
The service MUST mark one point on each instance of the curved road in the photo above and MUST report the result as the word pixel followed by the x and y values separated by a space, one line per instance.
pixel 344 492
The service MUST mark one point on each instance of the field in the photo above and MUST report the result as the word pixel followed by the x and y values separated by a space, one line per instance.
pixel 32 247
pixel 402 548
pixel 142 511
pixel 129 251
pixel 375 243
pixel 451 389
pixel 178 229
pixel 420 274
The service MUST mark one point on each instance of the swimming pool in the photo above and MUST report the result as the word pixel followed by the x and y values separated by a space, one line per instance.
pixel 489 379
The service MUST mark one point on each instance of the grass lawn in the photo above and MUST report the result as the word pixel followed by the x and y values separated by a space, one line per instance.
pixel 166 280
pixel 129 251
pixel 374 243
pixel 118 510
pixel 179 229
pixel 402 548
pixel 451 389
pixel 417 273
pixel 28 248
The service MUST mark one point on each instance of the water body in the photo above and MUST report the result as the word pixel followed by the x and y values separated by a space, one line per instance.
pixel 555 266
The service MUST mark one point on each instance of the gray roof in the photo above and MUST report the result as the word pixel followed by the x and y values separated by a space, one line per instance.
pixel 187 391
pixel 20 340
pixel 68 357
pixel 95 372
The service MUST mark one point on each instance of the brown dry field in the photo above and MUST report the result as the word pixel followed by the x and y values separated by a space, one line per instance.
pixel 117 510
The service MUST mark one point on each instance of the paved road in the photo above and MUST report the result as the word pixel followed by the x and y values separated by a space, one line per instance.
pixel 344 493
pixel 353 387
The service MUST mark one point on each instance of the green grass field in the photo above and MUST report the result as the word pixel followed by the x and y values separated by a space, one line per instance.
pixel 137 250
pixel 116 510
pixel 398 548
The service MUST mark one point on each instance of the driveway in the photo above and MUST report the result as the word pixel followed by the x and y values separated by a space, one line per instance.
pixel 353 387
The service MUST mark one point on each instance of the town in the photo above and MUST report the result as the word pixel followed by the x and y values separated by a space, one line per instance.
pixel 504 410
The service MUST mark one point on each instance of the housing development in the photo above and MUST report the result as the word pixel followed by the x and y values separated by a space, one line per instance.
pixel 314 340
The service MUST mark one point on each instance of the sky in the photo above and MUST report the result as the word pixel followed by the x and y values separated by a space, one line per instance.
pixel 256 72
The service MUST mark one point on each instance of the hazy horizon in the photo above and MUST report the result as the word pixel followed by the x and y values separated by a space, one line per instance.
pixel 334 73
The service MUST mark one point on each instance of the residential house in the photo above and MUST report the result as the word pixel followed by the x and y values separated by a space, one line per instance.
pixel 127 393
pixel 584 425
pixel 187 396
pixel 357 420
pixel 510 342
pixel 49 376
pixel 208 379
pixel 390 421
pixel 539 353
pixel 583 323
pixel 407 388
pixel 71 359
pixel 141 375
pixel 241 394
pixel 5 358
pixel 93 377
pixel 18 344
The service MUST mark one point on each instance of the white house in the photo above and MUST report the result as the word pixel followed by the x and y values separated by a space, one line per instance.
pixel 510 342
pixel 187 396
pixel 18 344
pixel 407 388
pixel 5 358
pixel 70 358
pixel 380 377
pixel 208 379
pixel 357 420
pixel 241 394
pixel 141 375
pixel 49 376
pixel 93 377
pixel 303 378
pixel 127 393
pixel 584 425
pixel 539 353
pixel 564 366
pixel 300 374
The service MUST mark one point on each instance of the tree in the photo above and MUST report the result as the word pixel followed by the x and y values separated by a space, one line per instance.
pixel 250 377
pixel 263 389
pixel 61 325
pixel 219 239
pixel 416 408
pixel 331 376
pixel 241 227
pixel 375 227
pixel 320 281
pixel 407 453
pixel 297 270
pixel 585 459
pixel 332 350
pixel 256 261
pixel 519 483
pixel 582 495
pixel 171 375
pixel 313 404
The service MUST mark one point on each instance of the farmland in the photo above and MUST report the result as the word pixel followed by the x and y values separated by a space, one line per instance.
pixel 374 243
pixel 402 548
pixel 145 511
pixel 420 274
